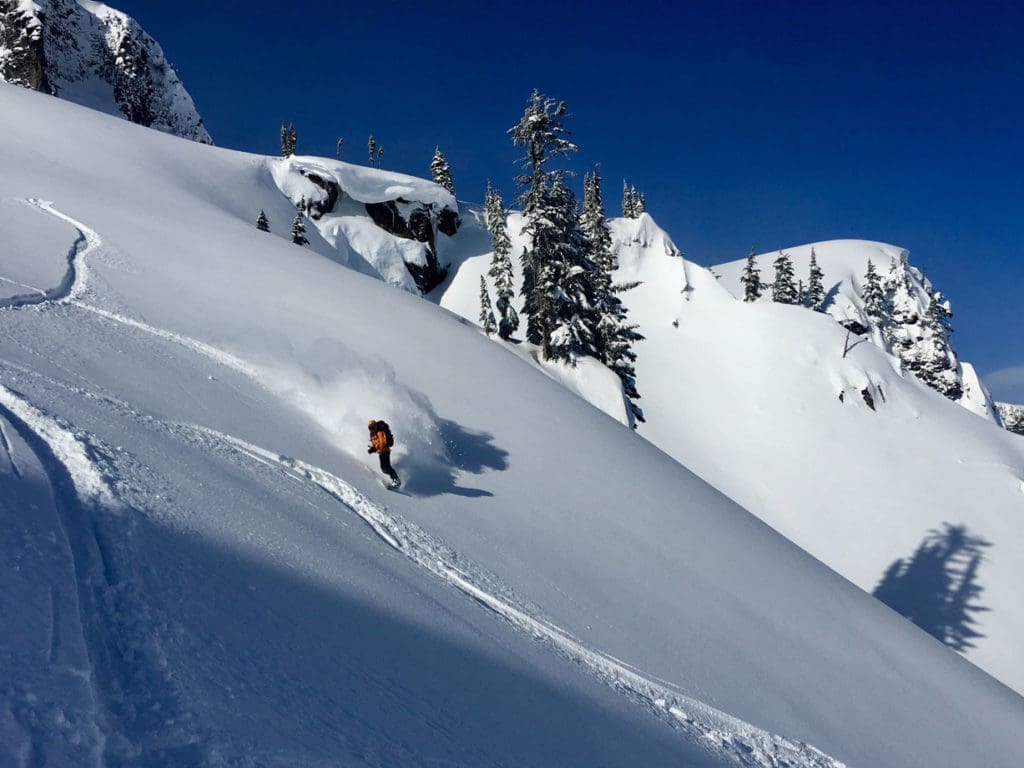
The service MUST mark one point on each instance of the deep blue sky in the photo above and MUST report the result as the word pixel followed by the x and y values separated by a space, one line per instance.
pixel 747 124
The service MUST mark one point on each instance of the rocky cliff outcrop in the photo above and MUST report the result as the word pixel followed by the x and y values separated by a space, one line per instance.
pixel 1012 416
pixel 98 57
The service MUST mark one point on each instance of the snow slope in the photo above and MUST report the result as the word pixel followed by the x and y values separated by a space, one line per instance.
pixel 203 569
pixel 748 397
pixel 844 263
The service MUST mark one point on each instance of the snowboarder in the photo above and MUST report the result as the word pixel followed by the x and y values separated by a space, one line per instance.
pixel 381 441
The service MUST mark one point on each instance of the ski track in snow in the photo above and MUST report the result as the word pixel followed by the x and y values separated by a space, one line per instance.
pixel 109 624
pixel 719 732
pixel 5 443
pixel 73 283
pixel 136 713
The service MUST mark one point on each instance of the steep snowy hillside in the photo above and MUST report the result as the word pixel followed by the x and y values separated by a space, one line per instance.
pixel 91 54
pixel 853 460
pixel 200 566
pixel 901 324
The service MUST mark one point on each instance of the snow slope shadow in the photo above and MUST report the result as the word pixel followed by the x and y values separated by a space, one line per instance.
pixel 331 678
pixel 138 710
pixel 467 451
pixel 936 587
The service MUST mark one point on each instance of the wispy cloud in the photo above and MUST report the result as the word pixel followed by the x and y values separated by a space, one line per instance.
pixel 1006 384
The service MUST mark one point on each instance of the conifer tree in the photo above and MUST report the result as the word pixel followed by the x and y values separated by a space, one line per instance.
pixel 486 310
pixel 751 279
pixel 541 132
pixel 440 172
pixel 641 204
pixel 501 263
pixel 299 227
pixel 567 303
pixel 873 296
pixel 614 335
pixel 815 287
pixel 371 145
pixel 289 140
pixel 784 289
pixel 627 202
pixel 261 222
pixel 380 155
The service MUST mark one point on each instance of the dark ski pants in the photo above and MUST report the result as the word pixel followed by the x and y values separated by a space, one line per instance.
pixel 385 465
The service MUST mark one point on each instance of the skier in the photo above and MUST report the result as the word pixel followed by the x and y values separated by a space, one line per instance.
pixel 381 441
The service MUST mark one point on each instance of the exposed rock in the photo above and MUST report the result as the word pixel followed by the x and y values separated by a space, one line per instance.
pixel 1012 416
pixel 22 58
pixel 96 56
pixel 317 208
pixel 422 225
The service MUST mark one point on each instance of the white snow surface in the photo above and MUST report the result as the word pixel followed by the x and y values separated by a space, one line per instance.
pixel 200 567
pixel 748 397
pixel 844 263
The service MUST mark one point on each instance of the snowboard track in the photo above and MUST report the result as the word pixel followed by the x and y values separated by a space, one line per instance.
pixel 112 615
pixel 138 715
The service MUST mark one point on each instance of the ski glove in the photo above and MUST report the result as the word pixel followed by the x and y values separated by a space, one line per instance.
pixel 369 449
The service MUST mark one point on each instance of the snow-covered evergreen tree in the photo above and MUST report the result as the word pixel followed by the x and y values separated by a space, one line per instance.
pixel 371 145
pixel 261 222
pixel 815 294
pixel 299 227
pixel 873 296
pixel 501 263
pixel 289 140
pixel 486 309
pixel 633 203
pixel 440 172
pixel 784 287
pixel 541 132
pixel 919 330
pixel 567 304
pixel 614 334
pixel 751 279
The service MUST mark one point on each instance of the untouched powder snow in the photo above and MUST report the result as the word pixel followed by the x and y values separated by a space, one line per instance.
pixel 548 589
pixel 760 401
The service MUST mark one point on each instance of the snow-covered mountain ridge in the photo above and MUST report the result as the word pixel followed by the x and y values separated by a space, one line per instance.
pixel 822 434
pixel 251 595
pixel 94 55
pixel 903 325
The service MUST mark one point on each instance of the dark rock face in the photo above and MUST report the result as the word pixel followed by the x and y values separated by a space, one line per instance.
pixel 422 225
pixel 21 40
pixel 448 222
pixel 317 208
pixel 65 49
pixel 1012 416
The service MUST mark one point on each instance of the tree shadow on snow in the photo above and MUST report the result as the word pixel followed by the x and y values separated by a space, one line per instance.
pixel 936 587
pixel 830 297
pixel 467 451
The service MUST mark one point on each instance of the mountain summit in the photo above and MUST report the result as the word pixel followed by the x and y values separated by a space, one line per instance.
pixel 98 57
